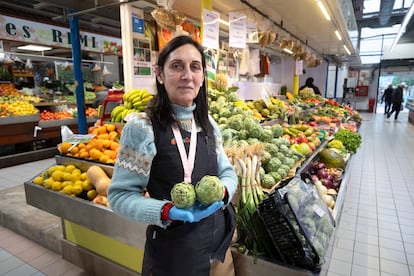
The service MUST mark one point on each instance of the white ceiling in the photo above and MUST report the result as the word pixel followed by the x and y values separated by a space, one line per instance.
pixel 299 20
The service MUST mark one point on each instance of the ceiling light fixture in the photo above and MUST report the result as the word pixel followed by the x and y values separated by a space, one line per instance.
pixel 338 35
pixel 224 22
pixel 35 48
pixel 324 11
pixel 347 50
pixel 288 51
pixel 403 26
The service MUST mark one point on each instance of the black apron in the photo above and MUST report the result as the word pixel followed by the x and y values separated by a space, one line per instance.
pixel 184 249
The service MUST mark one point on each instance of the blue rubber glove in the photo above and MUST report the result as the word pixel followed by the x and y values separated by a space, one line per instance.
pixel 200 211
pixel 181 214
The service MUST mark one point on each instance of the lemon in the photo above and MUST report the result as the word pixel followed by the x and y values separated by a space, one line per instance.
pixel 51 169
pixel 91 194
pixel 67 176
pixel 78 182
pixel 60 167
pixel 84 176
pixel 76 172
pixel 66 183
pixel 87 185
pixel 48 183
pixel 76 189
pixel 70 168
pixel 56 186
pixel 67 190
pixel 57 175
pixel 38 180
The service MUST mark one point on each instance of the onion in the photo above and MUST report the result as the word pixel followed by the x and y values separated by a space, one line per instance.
pixel 330 177
pixel 322 173
pixel 319 165
pixel 315 178
pixel 327 183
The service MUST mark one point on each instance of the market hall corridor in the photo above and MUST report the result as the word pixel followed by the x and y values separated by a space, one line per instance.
pixel 375 235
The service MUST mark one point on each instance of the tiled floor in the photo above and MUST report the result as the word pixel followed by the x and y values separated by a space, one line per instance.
pixel 375 235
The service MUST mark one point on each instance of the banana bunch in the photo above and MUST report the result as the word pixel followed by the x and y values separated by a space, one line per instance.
pixel 135 100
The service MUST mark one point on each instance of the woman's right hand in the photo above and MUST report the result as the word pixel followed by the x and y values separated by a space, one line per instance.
pixel 195 213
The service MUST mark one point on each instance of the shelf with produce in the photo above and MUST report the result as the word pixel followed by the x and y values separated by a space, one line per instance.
pixel 93 231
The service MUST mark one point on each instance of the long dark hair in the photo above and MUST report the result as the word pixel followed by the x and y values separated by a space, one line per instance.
pixel 160 109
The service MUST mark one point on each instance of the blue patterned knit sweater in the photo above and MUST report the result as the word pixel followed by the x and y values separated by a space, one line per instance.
pixel 133 164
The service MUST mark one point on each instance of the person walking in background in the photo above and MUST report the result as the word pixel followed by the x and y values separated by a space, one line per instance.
pixel 387 99
pixel 309 84
pixel 176 140
pixel 397 98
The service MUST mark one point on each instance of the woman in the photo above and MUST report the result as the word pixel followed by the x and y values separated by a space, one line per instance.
pixel 309 83
pixel 179 242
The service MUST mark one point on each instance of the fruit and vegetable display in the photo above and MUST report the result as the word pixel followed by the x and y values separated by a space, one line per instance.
pixel 68 113
pixel 268 142
pixel 135 100
pixel 103 147
pixel 67 179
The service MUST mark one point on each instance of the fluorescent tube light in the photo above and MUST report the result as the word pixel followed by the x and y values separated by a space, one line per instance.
pixel 338 35
pixel 403 26
pixel 347 50
pixel 288 51
pixel 36 48
pixel 224 22
pixel 324 11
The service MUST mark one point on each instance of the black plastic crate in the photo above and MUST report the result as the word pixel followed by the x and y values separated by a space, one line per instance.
pixel 298 222
pixel 286 233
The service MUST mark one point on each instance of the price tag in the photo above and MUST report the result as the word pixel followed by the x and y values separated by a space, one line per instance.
pixel 318 210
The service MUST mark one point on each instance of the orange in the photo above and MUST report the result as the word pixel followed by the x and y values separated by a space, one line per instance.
pixel 103 158
pixel 113 135
pixel 110 153
pixel 106 143
pixel 74 150
pixel 64 147
pixel 101 130
pixel 84 154
pixel 110 127
pixel 114 146
pixel 103 136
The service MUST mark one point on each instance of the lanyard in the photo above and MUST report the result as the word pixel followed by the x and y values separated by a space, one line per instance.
pixel 188 162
